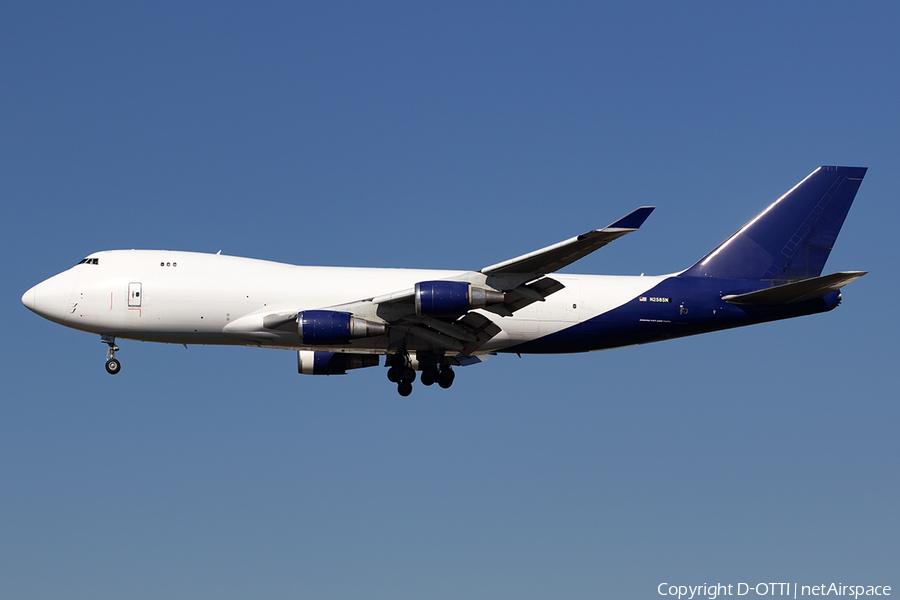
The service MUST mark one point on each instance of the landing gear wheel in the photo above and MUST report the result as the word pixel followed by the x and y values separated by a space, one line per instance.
pixel 393 375
pixel 407 375
pixel 429 376
pixel 113 366
pixel 404 388
pixel 445 378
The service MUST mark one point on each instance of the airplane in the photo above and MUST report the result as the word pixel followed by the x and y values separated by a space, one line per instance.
pixel 429 321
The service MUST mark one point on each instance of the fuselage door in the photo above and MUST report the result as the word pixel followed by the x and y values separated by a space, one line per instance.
pixel 134 295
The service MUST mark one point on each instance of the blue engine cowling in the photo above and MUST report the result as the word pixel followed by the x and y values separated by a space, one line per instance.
pixel 311 362
pixel 451 298
pixel 327 327
pixel 442 298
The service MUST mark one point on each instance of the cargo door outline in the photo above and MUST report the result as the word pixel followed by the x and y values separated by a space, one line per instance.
pixel 134 296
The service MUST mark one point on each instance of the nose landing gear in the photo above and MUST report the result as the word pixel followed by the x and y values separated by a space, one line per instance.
pixel 113 366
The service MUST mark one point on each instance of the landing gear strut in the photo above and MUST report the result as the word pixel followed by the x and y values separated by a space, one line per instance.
pixel 113 366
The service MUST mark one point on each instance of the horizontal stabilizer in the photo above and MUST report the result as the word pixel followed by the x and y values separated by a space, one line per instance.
pixel 799 291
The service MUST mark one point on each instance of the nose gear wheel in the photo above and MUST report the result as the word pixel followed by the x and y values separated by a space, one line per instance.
pixel 113 366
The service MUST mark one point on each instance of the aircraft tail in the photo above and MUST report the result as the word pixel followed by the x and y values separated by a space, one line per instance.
pixel 793 237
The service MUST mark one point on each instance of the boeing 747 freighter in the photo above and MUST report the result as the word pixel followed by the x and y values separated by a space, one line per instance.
pixel 339 318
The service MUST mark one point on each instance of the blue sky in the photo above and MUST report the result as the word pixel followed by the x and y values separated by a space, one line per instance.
pixel 448 136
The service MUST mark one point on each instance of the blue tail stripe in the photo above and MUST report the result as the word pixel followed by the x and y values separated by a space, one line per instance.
pixel 793 237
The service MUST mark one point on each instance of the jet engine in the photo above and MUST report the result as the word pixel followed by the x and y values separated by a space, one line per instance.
pixel 452 298
pixel 323 327
pixel 310 362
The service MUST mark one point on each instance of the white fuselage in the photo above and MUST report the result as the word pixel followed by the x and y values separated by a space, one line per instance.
pixel 194 298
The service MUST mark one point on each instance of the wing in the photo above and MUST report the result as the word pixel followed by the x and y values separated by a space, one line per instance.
pixel 555 257
pixel 503 289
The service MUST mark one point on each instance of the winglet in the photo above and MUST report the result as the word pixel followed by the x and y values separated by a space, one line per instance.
pixel 633 220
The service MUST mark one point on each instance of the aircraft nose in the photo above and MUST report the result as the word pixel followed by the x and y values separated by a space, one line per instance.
pixel 28 299
pixel 50 298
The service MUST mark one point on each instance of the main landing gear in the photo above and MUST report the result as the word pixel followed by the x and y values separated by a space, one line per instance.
pixel 113 366
pixel 443 376
pixel 401 373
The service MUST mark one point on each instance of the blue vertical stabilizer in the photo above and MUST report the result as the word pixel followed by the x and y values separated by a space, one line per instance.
pixel 793 237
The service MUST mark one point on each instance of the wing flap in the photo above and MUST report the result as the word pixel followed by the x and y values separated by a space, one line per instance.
pixel 798 291
pixel 463 336
pixel 481 327
pixel 520 297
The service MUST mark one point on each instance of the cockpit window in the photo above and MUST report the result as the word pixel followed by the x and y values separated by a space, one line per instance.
pixel 90 261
